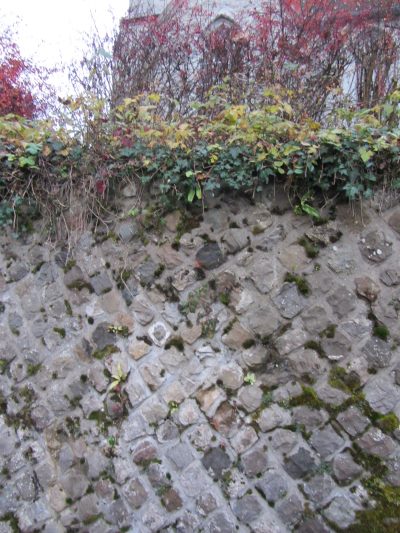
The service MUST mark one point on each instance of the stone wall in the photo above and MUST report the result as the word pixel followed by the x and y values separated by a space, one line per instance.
pixel 228 372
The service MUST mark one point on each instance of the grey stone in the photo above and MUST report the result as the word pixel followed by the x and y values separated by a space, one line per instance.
pixel 300 464
pixel 167 431
pixel 390 277
pixel 326 441
pixel 353 421
pixel 102 336
pixel 76 279
pixel 129 290
pixel 226 420
pixel 217 461
pixel 101 283
pixel 340 512
pixel 315 319
pixel 254 462
pixel 342 264
pixel 313 525
pixel 325 234
pixel 375 442
pixel 382 395
pixel 231 376
pixel 153 410
pixel 207 503
pixel 283 440
pixel 272 417
pixel 319 489
pixel 345 469
pixel 263 275
pixel 181 455
pixel 244 439
pixel 235 240
pixel 291 340
pixel 338 348
pixel 144 451
pixel 342 301
pixel 143 311
pixel 172 501
pixel 194 480
pixel 222 523
pixel 127 230
pixel 210 256
pixel 290 510
pixel 308 417
pixel 378 353
pixel 146 272
pixel 117 513
pixel 269 241
pixel 189 413
pixel 15 322
pixel 289 301
pixel 159 333
pixel 367 288
pixel 250 397
pixel 375 247
pixel 236 336
pixel 293 257
pixel 135 493
pixel 157 476
pixel 330 395
pixel 17 271
pixel 247 509
pixel 273 486
pixel 74 484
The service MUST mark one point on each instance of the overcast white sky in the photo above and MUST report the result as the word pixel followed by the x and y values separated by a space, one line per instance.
pixel 51 31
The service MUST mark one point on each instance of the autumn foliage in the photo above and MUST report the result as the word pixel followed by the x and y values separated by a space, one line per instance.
pixel 315 48
pixel 23 85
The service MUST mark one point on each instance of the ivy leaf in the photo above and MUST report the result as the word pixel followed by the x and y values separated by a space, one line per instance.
pixel 365 154
pixel 190 196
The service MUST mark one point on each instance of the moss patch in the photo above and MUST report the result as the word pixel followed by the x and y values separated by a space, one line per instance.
pixel 311 249
pixel 60 331
pixel 388 423
pixel 316 346
pixel 300 281
pixel 339 378
pixel 176 342
pixel 105 352
pixel 381 331
pixel 308 397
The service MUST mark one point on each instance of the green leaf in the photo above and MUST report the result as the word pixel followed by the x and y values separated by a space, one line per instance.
pixel 311 211
pixel 365 154
pixel 198 192
pixel 190 196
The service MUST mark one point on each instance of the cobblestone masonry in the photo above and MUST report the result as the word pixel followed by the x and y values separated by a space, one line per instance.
pixel 214 386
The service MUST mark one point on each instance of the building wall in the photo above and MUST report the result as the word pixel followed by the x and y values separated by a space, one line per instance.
pixel 229 8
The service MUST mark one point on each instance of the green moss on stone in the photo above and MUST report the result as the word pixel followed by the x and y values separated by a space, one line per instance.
pixel 105 352
pixel 381 331
pixel 60 331
pixel 68 308
pixel 33 369
pixel 388 423
pixel 225 298
pixel 309 397
pixel 248 343
pixel 300 281
pixel 339 378
pixel 176 342
pixel 316 346
pixel 310 248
